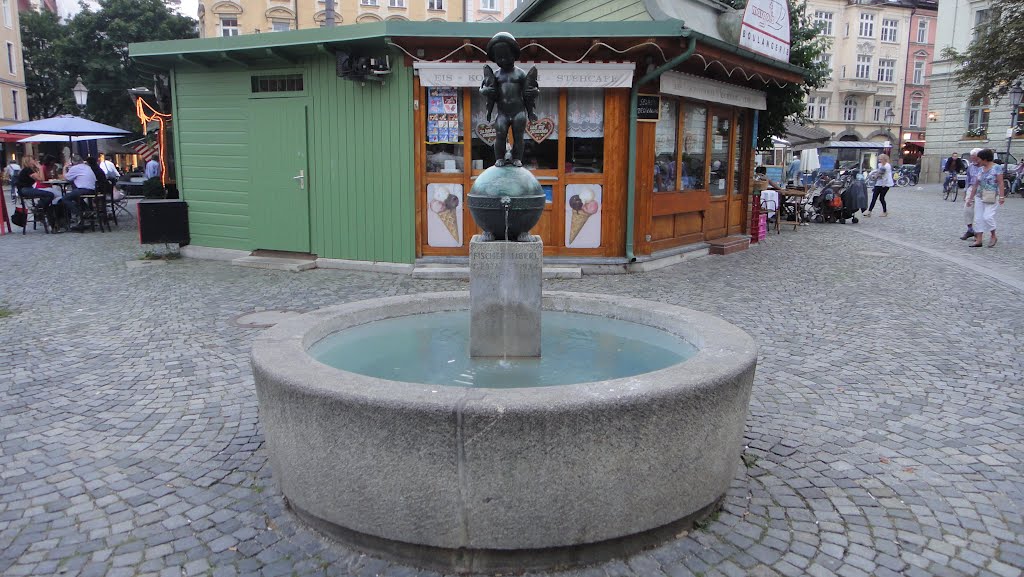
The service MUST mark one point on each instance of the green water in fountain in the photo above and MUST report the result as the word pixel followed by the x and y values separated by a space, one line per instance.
pixel 433 349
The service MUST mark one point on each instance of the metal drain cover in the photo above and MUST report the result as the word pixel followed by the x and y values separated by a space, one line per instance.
pixel 263 319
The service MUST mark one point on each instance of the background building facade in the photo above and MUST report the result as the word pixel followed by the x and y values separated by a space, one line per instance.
pixel 876 89
pixel 13 97
pixel 235 17
pixel 959 124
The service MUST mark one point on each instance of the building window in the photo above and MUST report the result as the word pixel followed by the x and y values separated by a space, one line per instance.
pixel 981 18
pixel 889 29
pixel 823 20
pixel 850 109
pixel 445 134
pixel 919 72
pixel 7 13
pixel 810 107
pixel 880 107
pixel 17 109
pixel 863 67
pixel 229 27
pixel 915 113
pixel 826 59
pixel 435 5
pixel 368 2
pixel 922 31
pixel 977 117
pixel 11 59
pixel 822 107
pixel 488 5
pixel 867 25
pixel 277 83
pixel 584 130
pixel 666 147
pixel 695 122
pixel 886 69
pixel 280 26
pixel 396 3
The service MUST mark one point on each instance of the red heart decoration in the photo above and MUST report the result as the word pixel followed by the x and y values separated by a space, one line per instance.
pixel 540 129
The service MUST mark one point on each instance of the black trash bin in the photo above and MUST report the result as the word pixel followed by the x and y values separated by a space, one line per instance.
pixel 163 221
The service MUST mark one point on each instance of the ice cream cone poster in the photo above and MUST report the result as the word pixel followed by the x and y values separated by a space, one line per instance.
pixel 583 215
pixel 444 215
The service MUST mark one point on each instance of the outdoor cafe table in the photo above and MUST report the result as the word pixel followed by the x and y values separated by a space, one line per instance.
pixel 63 184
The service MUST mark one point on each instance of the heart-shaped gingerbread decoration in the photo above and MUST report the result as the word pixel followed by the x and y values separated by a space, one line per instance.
pixel 486 132
pixel 540 129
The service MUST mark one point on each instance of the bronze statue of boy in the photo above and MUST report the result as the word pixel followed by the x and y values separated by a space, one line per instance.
pixel 514 91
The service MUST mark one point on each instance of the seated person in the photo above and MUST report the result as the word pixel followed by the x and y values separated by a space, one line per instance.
pixel 31 174
pixel 83 181
pixel 761 173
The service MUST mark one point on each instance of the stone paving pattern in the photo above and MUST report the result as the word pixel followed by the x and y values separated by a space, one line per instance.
pixel 884 438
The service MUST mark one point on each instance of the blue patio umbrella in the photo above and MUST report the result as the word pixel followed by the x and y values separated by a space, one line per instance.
pixel 66 125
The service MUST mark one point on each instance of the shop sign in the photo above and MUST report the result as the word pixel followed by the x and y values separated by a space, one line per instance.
pixel 648 108
pixel 552 75
pixel 765 28
pixel 690 86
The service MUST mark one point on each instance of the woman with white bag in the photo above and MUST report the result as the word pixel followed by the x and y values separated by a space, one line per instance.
pixel 988 188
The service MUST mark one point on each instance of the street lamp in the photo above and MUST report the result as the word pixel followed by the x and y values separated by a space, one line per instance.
pixel 81 94
pixel 889 117
pixel 1016 94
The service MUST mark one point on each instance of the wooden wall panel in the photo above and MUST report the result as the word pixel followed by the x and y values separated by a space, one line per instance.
pixel 663 227
pixel 688 224
pixel 362 166
pixel 213 157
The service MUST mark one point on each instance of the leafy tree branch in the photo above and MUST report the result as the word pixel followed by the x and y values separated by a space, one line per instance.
pixel 995 58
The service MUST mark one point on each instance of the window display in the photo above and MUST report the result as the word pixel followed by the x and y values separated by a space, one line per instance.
pixel 444 130
pixel 584 130
pixel 541 135
pixel 737 155
pixel 666 147
pixel 717 177
pixel 695 124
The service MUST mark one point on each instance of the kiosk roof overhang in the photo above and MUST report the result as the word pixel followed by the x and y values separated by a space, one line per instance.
pixel 295 44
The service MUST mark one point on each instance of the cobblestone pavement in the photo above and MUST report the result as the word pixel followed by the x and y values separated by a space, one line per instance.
pixel 884 438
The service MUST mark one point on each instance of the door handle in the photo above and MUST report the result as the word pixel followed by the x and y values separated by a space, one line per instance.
pixel 302 179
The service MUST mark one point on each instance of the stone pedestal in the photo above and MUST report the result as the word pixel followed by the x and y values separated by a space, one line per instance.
pixel 505 281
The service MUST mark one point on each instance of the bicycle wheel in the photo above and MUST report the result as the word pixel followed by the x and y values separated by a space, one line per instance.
pixel 956 190
pixel 947 190
pixel 902 181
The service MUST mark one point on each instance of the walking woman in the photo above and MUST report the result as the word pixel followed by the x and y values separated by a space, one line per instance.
pixel 988 188
pixel 883 180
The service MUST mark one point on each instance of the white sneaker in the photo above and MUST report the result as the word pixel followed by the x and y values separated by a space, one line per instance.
pixel 885 214
pixel 867 214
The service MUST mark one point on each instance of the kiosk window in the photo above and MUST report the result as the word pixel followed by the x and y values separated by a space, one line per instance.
pixel 584 130
pixel 737 155
pixel 444 130
pixel 718 179
pixel 541 138
pixel 666 147
pixel 695 121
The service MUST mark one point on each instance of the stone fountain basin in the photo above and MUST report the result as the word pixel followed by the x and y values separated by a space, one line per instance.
pixel 465 478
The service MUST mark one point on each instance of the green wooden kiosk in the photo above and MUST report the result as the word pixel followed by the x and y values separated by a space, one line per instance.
pixel 360 142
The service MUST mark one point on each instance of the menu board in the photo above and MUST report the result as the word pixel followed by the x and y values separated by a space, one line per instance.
pixel 443 115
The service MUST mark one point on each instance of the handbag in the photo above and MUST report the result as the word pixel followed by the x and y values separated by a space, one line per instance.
pixel 988 195
pixel 20 217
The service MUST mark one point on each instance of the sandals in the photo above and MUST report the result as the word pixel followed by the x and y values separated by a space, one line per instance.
pixel 975 245
pixel 992 242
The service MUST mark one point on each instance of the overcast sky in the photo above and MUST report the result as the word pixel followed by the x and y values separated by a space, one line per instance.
pixel 69 7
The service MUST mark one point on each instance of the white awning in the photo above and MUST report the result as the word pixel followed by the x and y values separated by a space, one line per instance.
pixel 690 86
pixel 549 74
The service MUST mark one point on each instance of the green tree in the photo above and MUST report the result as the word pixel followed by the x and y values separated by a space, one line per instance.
pixel 94 45
pixel 789 100
pixel 49 90
pixel 995 58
